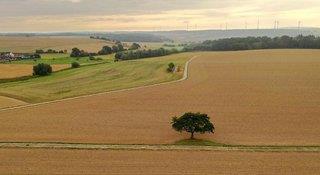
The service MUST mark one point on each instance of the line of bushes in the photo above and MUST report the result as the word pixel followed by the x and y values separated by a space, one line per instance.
pixel 41 51
pixel 106 50
pixel 43 69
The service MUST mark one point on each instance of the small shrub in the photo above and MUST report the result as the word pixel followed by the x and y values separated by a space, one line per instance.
pixel 171 67
pixel 39 51
pixel 36 55
pixel 42 69
pixel 95 59
pixel 75 65
pixel 178 69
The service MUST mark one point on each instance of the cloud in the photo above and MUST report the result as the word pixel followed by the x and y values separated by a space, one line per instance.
pixel 46 15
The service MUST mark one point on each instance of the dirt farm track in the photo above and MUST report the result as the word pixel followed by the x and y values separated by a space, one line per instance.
pixel 254 98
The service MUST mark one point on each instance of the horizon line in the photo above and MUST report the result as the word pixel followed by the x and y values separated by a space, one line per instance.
pixel 191 30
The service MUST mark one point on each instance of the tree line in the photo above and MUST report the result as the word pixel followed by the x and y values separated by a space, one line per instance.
pixel 106 50
pixel 250 43
pixel 229 44
pixel 41 51
pixel 139 54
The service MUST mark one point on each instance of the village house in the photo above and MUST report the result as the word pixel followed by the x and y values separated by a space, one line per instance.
pixel 9 56
pixel 5 56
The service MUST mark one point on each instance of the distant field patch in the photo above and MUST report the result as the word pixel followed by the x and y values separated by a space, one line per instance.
pixel 30 44
pixel 19 70
pixel 156 45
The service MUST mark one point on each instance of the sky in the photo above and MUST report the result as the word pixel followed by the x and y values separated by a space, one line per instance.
pixel 145 15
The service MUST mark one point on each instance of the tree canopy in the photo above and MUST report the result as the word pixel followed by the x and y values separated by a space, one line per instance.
pixel 134 46
pixel 105 50
pixel 80 53
pixel 42 69
pixel 193 123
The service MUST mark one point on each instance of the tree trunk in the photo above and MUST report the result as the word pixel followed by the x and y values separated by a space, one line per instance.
pixel 192 135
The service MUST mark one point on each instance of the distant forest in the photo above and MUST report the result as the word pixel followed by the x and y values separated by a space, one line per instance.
pixel 250 43
pixel 231 44
pixel 133 37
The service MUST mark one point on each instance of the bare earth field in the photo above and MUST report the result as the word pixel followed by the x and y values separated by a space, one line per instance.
pixel 41 161
pixel 269 97
pixel 30 44
pixel 19 70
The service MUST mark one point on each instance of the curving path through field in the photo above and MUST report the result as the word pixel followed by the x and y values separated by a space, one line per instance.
pixel 254 97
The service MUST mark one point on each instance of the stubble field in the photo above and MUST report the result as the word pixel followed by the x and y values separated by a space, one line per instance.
pixel 41 161
pixel 23 44
pixel 18 70
pixel 268 97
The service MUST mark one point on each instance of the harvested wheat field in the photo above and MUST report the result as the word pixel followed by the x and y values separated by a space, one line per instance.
pixel 269 97
pixel 30 44
pixel 20 70
pixel 39 161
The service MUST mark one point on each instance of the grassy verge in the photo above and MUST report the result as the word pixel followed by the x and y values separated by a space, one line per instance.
pixel 94 79
pixel 189 147
pixel 198 142
pixel 63 59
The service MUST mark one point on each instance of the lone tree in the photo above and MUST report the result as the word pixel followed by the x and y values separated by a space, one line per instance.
pixel 193 123
pixel 75 65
